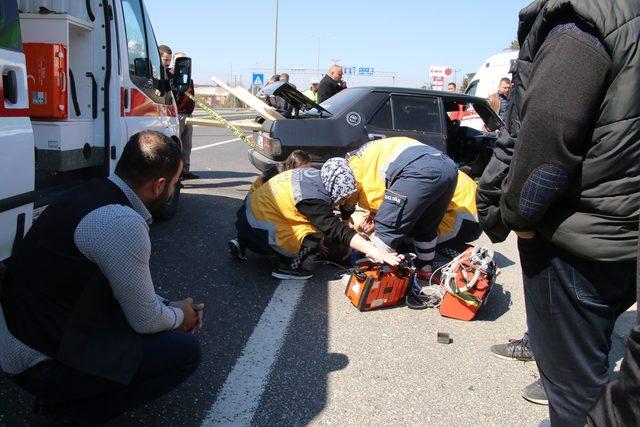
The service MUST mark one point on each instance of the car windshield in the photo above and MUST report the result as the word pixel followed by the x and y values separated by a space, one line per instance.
pixel 343 100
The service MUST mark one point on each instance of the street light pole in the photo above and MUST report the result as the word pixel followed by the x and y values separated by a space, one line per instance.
pixel 275 51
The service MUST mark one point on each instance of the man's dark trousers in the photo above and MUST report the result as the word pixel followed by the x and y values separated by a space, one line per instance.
pixel 168 358
pixel 572 305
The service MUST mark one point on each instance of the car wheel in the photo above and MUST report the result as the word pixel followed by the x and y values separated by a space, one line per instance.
pixel 169 209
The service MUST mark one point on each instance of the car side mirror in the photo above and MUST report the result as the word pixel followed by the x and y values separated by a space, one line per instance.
pixel 141 66
pixel 181 79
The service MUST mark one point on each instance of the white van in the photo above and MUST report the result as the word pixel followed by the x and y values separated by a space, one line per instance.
pixel 106 83
pixel 486 80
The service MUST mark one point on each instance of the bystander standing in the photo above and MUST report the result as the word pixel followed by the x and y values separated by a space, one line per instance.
pixel 565 176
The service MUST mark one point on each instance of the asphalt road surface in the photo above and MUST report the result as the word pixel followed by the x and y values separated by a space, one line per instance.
pixel 299 353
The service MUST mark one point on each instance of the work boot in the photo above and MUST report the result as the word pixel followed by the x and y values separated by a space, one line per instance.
pixel 535 393
pixel 236 249
pixel 514 350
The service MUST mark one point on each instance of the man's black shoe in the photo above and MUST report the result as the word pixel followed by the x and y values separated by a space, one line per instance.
pixel 514 350
pixel 236 249
pixel 535 393
pixel 286 273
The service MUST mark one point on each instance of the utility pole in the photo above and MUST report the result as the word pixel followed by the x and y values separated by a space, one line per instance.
pixel 275 51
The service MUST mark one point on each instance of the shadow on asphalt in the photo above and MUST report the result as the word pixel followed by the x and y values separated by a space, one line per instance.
pixel 498 304
pixel 224 174
pixel 297 390
pixel 502 261
pixel 195 185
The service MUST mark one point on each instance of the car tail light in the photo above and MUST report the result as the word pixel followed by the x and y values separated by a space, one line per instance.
pixel 267 144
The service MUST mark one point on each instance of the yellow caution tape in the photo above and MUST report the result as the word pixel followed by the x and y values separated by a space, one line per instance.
pixel 234 130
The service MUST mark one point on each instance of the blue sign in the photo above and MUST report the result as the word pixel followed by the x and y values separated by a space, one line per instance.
pixel 257 79
pixel 365 71
pixel 348 70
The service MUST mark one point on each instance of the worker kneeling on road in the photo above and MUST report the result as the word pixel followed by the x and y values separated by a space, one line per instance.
pixel 406 186
pixel 290 214
pixel 85 331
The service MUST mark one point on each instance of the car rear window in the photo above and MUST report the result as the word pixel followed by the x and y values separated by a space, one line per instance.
pixel 343 100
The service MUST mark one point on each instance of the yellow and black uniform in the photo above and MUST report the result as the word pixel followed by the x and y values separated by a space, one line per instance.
pixel 407 185
pixel 460 222
pixel 265 176
pixel 290 208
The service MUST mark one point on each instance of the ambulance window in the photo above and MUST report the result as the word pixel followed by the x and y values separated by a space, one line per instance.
pixel 471 90
pixel 416 113
pixel 136 43
pixel 10 26
pixel 382 118
pixel 154 53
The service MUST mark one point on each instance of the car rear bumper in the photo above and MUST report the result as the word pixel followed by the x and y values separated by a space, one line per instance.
pixel 260 161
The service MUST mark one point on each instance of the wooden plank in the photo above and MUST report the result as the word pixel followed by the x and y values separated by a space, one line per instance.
pixel 244 125
pixel 252 101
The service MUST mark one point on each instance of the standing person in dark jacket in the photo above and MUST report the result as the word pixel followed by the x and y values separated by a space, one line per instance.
pixel 330 84
pixel 81 326
pixel 185 108
pixel 500 99
pixel 570 188
pixel 619 403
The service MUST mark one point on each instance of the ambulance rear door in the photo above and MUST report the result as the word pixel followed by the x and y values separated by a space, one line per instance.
pixel 16 134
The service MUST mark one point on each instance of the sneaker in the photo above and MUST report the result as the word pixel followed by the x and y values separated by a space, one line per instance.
pixel 428 276
pixel 236 249
pixel 535 393
pixel 514 350
pixel 287 273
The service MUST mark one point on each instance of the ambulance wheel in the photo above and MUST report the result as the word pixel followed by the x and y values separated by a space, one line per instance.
pixel 169 209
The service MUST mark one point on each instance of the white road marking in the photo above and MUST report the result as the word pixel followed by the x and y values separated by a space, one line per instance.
pixel 213 145
pixel 241 392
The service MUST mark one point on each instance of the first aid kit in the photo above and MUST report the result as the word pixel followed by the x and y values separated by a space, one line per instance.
pixel 47 80
pixel 468 280
pixel 373 286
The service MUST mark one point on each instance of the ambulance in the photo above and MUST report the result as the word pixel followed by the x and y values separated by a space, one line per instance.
pixel 79 77
pixel 486 81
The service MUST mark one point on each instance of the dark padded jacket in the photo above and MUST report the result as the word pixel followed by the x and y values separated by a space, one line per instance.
pixel 598 219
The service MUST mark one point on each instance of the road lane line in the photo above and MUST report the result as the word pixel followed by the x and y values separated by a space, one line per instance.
pixel 241 392
pixel 213 145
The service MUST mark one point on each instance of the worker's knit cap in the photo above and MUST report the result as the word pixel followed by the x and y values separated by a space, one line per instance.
pixel 338 178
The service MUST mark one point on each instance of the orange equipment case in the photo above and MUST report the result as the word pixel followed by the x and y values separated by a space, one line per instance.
pixel 373 286
pixel 473 274
pixel 47 80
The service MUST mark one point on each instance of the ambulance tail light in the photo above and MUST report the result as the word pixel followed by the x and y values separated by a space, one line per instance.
pixel 267 144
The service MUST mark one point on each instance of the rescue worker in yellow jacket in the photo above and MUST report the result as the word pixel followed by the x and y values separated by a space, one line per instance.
pixel 460 225
pixel 291 213
pixel 406 186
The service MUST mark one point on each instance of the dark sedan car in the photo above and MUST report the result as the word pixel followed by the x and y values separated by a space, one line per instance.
pixel 357 115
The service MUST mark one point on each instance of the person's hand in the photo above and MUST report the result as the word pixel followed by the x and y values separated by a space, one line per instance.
pixel 526 234
pixel 190 319
pixel 378 255
pixel 199 309
pixel 368 225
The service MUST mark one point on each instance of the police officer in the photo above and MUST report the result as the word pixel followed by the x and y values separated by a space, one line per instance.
pixel 406 186
pixel 291 213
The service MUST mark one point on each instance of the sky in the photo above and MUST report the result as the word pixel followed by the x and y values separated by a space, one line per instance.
pixel 229 38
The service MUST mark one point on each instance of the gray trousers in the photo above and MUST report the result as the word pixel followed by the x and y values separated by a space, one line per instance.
pixel 186 135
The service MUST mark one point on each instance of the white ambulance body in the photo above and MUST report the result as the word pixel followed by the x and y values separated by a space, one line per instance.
pixel 486 81
pixel 114 85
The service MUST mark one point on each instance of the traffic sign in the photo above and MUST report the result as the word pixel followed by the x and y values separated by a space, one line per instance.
pixel 257 79
pixel 365 71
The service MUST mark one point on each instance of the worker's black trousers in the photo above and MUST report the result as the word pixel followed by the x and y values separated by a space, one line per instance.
pixel 168 358
pixel 572 305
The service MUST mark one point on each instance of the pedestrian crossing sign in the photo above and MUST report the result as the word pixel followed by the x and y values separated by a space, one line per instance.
pixel 257 79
